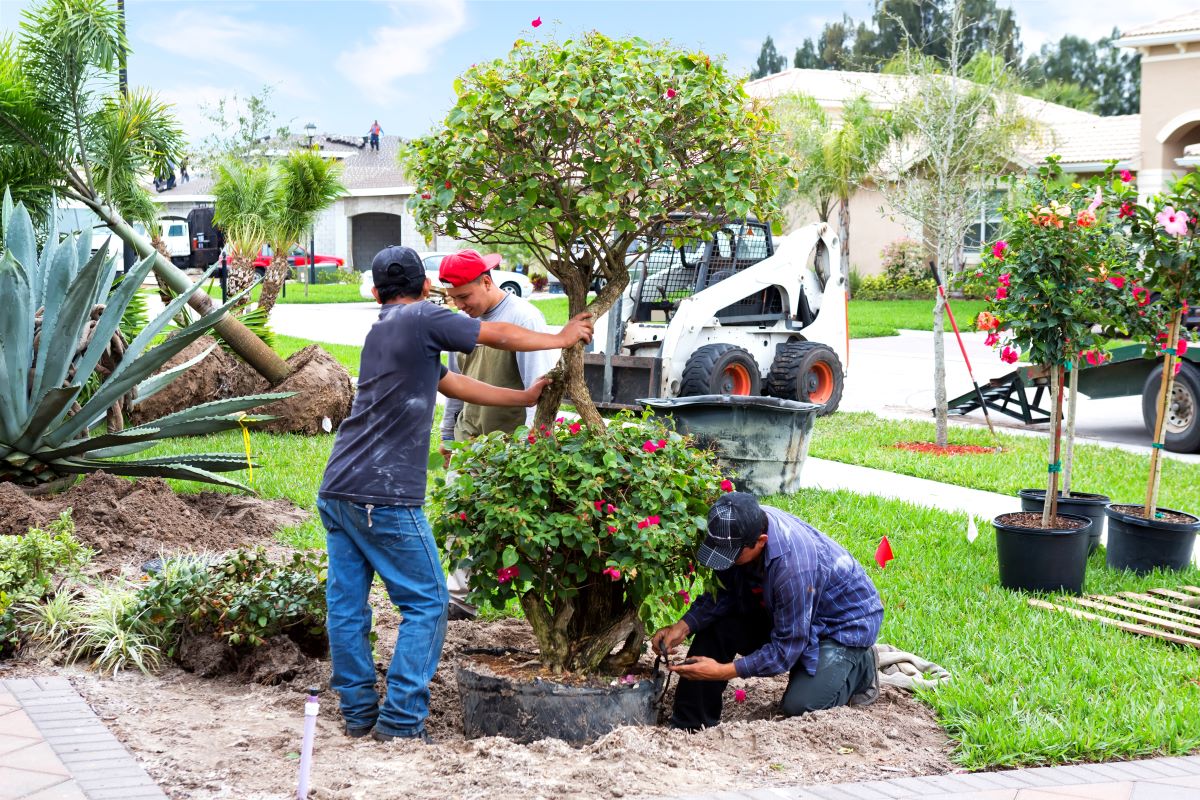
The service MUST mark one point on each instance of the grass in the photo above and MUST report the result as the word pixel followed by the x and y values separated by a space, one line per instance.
pixel 1029 686
pixel 554 309
pixel 348 355
pixel 317 293
pixel 870 318
pixel 865 440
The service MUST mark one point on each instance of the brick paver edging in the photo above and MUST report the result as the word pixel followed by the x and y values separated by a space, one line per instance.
pixel 99 766
pixel 1154 779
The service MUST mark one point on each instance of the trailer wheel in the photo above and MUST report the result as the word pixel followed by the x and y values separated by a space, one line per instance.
pixel 809 372
pixel 1183 415
pixel 721 369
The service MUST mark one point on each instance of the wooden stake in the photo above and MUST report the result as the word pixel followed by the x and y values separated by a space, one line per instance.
pixel 1160 425
pixel 1128 627
pixel 1050 507
pixel 1069 459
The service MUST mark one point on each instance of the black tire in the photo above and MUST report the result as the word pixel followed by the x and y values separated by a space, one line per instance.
pixel 721 369
pixel 809 372
pixel 1183 431
pixel 511 288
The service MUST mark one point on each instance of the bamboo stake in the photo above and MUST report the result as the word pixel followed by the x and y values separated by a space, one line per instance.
pixel 1160 424
pixel 1069 458
pixel 1050 507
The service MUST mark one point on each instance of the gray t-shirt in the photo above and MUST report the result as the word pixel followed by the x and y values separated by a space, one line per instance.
pixel 382 449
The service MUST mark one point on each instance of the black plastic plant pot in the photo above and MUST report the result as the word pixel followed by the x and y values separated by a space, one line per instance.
pixel 1079 504
pixel 1042 559
pixel 1142 545
pixel 526 711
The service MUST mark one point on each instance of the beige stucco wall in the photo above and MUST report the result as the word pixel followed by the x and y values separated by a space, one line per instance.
pixel 871 230
pixel 1170 87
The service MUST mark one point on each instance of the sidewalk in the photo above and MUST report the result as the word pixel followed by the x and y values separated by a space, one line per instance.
pixel 53 747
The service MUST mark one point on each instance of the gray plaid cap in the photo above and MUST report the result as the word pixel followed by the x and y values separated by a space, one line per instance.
pixel 735 521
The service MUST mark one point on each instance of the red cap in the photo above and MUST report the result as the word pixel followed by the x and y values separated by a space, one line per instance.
pixel 465 266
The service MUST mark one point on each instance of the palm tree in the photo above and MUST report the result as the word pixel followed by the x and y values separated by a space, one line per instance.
pixel 65 129
pixel 243 194
pixel 304 185
pixel 833 157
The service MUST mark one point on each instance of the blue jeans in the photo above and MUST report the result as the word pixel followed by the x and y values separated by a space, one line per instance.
pixel 397 543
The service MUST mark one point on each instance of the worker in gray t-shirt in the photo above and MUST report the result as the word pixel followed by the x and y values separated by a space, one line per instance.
pixel 469 284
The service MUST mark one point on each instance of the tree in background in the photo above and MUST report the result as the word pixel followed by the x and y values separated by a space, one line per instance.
pixel 65 129
pixel 1109 75
pixel 832 158
pixel 770 61
pixel 960 127
pixel 242 194
pixel 578 149
pixel 242 127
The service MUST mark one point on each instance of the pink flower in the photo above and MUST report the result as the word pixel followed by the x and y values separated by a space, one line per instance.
pixel 649 446
pixel 991 339
pixel 1172 221
pixel 1126 210
pixel 1126 176
pixel 613 573
pixel 599 504
pixel 687 598
pixel 643 523
pixel 662 443
pixel 1009 356
pixel 1177 366
pixel 653 520
pixel 1096 201
pixel 1006 280
pixel 506 574
pixel 612 528
pixel 561 420
pixel 531 438
pixel 537 23
pixel 1117 281
pixel 999 248
pixel 1181 347
pixel 670 94
pixel 610 508
pixel 727 485
pixel 1002 293
pixel 739 695
pixel 1141 294
pixel 576 427
pixel 1093 357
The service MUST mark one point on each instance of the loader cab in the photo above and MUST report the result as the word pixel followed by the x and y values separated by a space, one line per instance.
pixel 678 269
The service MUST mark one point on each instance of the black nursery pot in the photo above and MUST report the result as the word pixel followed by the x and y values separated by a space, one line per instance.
pixel 1079 504
pixel 1042 559
pixel 528 710
pixel 1142 545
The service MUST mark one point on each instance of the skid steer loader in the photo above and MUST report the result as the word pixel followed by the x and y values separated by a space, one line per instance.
pixel 742 313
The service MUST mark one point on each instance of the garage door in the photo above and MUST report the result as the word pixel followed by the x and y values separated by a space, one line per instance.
pixel 370 234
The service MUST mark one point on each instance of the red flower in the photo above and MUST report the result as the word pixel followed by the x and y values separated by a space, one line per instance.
pixel 537 23
pixel 1094 357
pixel 506 574
pixel 613 573
pixel 610 508
pixel 1009 356
pixel 425 195
pixel 999 248
pixel 1085 219
pixel 576 427
pixel 649 446
pixel 727 485
pixel 1126 177
pixel 670 93
pixel 447 184
pixel 1117 281
pixel 1141 294
pixel 687 598
pixel 662 443
pixel 654 520
pixel 612 528
pixel 1181 347
pixel 599 504
pixel 739 695
pixel 1006 279
pixel 643 523
pixel 991 339
pixel 1002 293
pixel 1126 210
pixel 462 515
pixel 531 438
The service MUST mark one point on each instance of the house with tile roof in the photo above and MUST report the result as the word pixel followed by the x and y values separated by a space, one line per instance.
pixel 1161 141
pixel 372 214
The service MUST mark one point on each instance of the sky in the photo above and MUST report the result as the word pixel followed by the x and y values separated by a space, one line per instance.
pixel 341 64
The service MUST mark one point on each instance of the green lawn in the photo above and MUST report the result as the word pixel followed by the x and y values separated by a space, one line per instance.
pixel 317 293
pixel 348 355
pixel 869 318
pixel 554 309
pixel 866 440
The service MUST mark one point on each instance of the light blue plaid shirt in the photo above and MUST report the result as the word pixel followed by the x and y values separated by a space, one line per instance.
pixel 810 586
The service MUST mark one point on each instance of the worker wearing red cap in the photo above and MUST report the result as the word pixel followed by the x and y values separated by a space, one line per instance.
pixel 467 278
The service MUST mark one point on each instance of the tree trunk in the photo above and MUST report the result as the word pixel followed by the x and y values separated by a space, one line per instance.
pixel 253 350
pixel 941 413
pixel 1165 389
pixel 1050 506
pixel 276 275
pixel 1069 459
pixel 844 232
pixel 241 277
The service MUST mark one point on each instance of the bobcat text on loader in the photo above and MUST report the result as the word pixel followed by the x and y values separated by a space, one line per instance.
pixel 741 313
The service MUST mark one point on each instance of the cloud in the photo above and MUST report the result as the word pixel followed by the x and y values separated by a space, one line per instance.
pixel 188 102
pixel 259 49
pixel 1042 22
pixel 403 50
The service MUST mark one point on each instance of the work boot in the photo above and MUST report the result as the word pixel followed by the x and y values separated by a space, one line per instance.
pixel 422 737
pixel 358 733
pixel 459 612
pixel 869 692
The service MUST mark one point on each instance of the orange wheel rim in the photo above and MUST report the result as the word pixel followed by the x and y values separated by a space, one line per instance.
pixel 736 379
pixel 820 383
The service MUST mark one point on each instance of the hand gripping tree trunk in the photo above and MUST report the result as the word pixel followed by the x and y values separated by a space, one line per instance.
pixel 253 350
pixel 273 282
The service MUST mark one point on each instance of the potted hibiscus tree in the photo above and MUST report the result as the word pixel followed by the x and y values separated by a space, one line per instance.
pixel 1163 233
pixel 1056 279
pixel 576 151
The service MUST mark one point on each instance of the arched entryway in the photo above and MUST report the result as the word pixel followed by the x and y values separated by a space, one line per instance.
pixel 370 233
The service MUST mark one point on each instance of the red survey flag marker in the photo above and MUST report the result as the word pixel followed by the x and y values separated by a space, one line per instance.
pixel 883 553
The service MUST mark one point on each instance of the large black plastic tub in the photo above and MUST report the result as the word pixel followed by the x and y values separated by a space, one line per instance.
pixel 1042 560
pixel 1142 545
pixel 1079 504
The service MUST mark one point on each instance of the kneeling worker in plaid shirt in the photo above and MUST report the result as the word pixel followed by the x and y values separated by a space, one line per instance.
pixel 789 599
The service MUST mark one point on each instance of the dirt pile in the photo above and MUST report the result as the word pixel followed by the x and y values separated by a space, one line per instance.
pixel 130 522
pixel 230 738
pixel 322 385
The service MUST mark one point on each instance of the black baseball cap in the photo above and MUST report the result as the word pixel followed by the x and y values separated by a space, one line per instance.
pixel 735 521
pixel 398 267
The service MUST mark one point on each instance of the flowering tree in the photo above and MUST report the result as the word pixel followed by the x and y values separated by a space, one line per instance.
pixel 577 150
pixel 1163 234
pixel 1058 274
pixel 594 533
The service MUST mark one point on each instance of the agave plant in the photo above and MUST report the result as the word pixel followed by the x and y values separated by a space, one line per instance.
pixel 59 318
